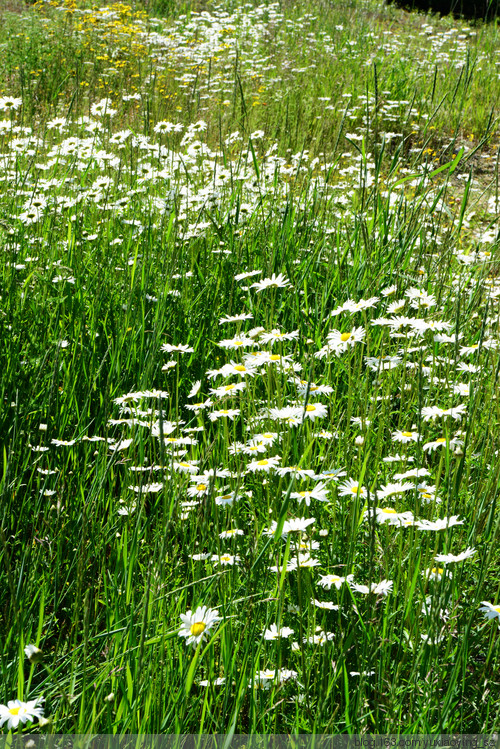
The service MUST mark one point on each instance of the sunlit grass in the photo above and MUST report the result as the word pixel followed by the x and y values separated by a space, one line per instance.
pixel 249 313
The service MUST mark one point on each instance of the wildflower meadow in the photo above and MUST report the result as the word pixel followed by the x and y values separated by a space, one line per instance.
pixel 249 422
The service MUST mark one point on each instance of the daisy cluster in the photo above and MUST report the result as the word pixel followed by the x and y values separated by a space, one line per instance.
pixel 265 389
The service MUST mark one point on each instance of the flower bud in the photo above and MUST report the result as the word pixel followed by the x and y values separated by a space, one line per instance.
pixel 34 654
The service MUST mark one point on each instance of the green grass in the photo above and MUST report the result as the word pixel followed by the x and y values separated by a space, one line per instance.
pixel 351 148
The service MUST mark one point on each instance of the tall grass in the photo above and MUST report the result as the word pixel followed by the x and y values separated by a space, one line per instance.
pixel 148 162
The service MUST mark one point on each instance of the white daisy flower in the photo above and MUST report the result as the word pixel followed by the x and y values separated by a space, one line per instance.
pixel 224 559
pixel 314 411
pixel 275 633
pixel 319 492
pixel 226 500
pixel 266 464
pixel 304 560
pixel 340 342
pixel 231 533
pixel 298 472
pixel 274 282
pixel 253 448
pixel 180 348
pixel 267 438
pixel 436 573
pixel 447 558
pixel 239 369
pixel 227 390
pixel 16 712
pixel 319 638
pixel 195 626
pixel 199 489
pixel 390 516
pixel 263 679
pixel 294 525
pixel 215 683
pixel 352 306
pixel 438 525
pixel 412 473
pixel 431 412
pixel 327 605
pixel 147 488
pixel 303 387
pixel 235 318
pixel 442 442
pixel 389 290
pixel 396 488
pixel 352 488
pixel 405 437
pixel 224 413
pixel 379 589
pixel 186 467
pixel 237 342
pixel 396 306
pixel 248 274
pixel 276 335
pixel 195 389
pixel 491 610
pixel 326 581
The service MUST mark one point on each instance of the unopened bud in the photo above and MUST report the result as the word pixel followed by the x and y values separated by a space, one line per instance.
pixel 33 653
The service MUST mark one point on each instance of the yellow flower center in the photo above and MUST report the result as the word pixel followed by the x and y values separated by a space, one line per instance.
pixel 238 343
pixel 263 463
pixel 441 439
pixel 267 436
pixel 437 570
pixel 201 487
pixel 197 628
pixel 14 710
pixel 310 408
pixel 240 368
pixel 274 357
pixel 303 494
pixel 406 434
pixel 497 608
pixel 427 495
pixel 224 411
pixel 345 337
pixel 354 489
pixel 389 511
pixel 229 387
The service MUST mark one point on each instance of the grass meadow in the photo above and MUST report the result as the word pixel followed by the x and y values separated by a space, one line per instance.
pixel 249 311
